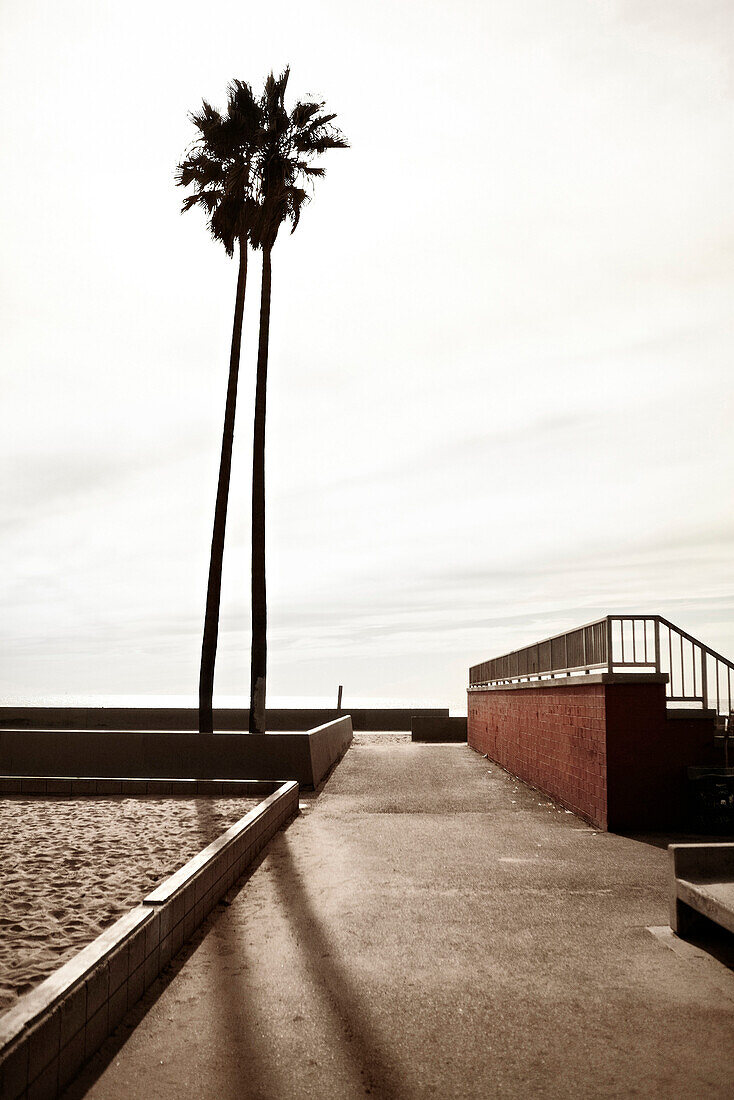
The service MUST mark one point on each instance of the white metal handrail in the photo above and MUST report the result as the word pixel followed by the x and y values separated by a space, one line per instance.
pixel 697 675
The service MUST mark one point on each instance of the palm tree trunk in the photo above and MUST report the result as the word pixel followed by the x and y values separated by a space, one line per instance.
pixel 259 652
pixel 211 616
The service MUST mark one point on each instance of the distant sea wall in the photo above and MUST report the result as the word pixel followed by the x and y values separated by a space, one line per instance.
pixel 232 720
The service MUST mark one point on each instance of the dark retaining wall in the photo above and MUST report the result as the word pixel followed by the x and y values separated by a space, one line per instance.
pixel 186 718
pixel 438 729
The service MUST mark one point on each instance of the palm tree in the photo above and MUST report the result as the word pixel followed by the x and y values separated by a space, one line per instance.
pixel 219 165
pixel 285 148
pixel 247 166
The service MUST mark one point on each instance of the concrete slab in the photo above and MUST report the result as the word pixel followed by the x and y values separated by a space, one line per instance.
pixel 429 927
pixel 701 883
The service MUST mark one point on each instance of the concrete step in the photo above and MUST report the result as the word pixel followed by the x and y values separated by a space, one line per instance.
pixel 690 714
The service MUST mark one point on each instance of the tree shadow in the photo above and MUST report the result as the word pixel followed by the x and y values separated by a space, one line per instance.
pixel 234 1016
pixel 233 1019
pixel 372 1059
pixel 231 1010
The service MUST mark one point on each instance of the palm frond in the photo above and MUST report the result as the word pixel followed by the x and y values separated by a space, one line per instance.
pixel 319 141
pixel 302 113
pixel 206 117
pixel 200 169
pixel 297 199
pixel 310 169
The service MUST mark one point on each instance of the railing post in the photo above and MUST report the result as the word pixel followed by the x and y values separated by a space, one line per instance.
pixel 610 662
pixel 657 645
pixel 704 677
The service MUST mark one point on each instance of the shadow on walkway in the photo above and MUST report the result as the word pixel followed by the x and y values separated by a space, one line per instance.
pixel 374 1063
pixel 231 1017
pixel 662 840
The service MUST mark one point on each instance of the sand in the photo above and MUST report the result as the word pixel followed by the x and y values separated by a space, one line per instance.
pixel 383 737
pixel 69 867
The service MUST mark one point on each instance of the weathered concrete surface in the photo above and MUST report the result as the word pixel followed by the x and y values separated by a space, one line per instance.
pixel 431 928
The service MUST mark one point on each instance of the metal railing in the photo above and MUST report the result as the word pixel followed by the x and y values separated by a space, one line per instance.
pixel 697 675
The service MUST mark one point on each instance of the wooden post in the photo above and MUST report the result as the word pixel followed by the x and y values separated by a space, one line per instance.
pixel 339 698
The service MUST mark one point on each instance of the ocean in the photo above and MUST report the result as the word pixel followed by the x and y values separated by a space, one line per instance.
pixel 274 702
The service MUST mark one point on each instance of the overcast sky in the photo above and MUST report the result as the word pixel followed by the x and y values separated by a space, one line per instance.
pixel 500 393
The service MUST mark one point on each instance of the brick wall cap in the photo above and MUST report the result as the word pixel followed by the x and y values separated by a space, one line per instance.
pixel 579 681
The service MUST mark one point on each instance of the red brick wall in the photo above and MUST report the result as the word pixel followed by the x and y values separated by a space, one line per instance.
pixel 551 737
pixel 607 751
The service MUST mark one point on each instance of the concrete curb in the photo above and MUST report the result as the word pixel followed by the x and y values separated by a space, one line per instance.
pixel 51 1031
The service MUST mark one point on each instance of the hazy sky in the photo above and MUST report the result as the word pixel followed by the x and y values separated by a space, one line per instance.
pixel 500 394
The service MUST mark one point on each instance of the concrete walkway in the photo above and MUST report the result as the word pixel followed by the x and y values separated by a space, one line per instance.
pixel 428 927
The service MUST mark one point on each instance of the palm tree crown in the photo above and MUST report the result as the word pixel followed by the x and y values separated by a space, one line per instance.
pixel 248 164
pixel 220 164
pixel 286 145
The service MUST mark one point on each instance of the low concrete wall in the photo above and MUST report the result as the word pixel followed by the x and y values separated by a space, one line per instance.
pixel 601 745
pixel 225 720
pixel 438 729
pixel 327 744
pixel 305 757
pixel 50 1032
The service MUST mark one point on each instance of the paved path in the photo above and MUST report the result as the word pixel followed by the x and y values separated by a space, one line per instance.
pixel 429 927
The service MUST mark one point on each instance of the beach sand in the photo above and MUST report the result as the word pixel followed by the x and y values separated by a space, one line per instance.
pixel 381 737
pixel 69 867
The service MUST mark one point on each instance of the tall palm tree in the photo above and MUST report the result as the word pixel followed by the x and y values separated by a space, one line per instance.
pixel 219 166
pixel 286 145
